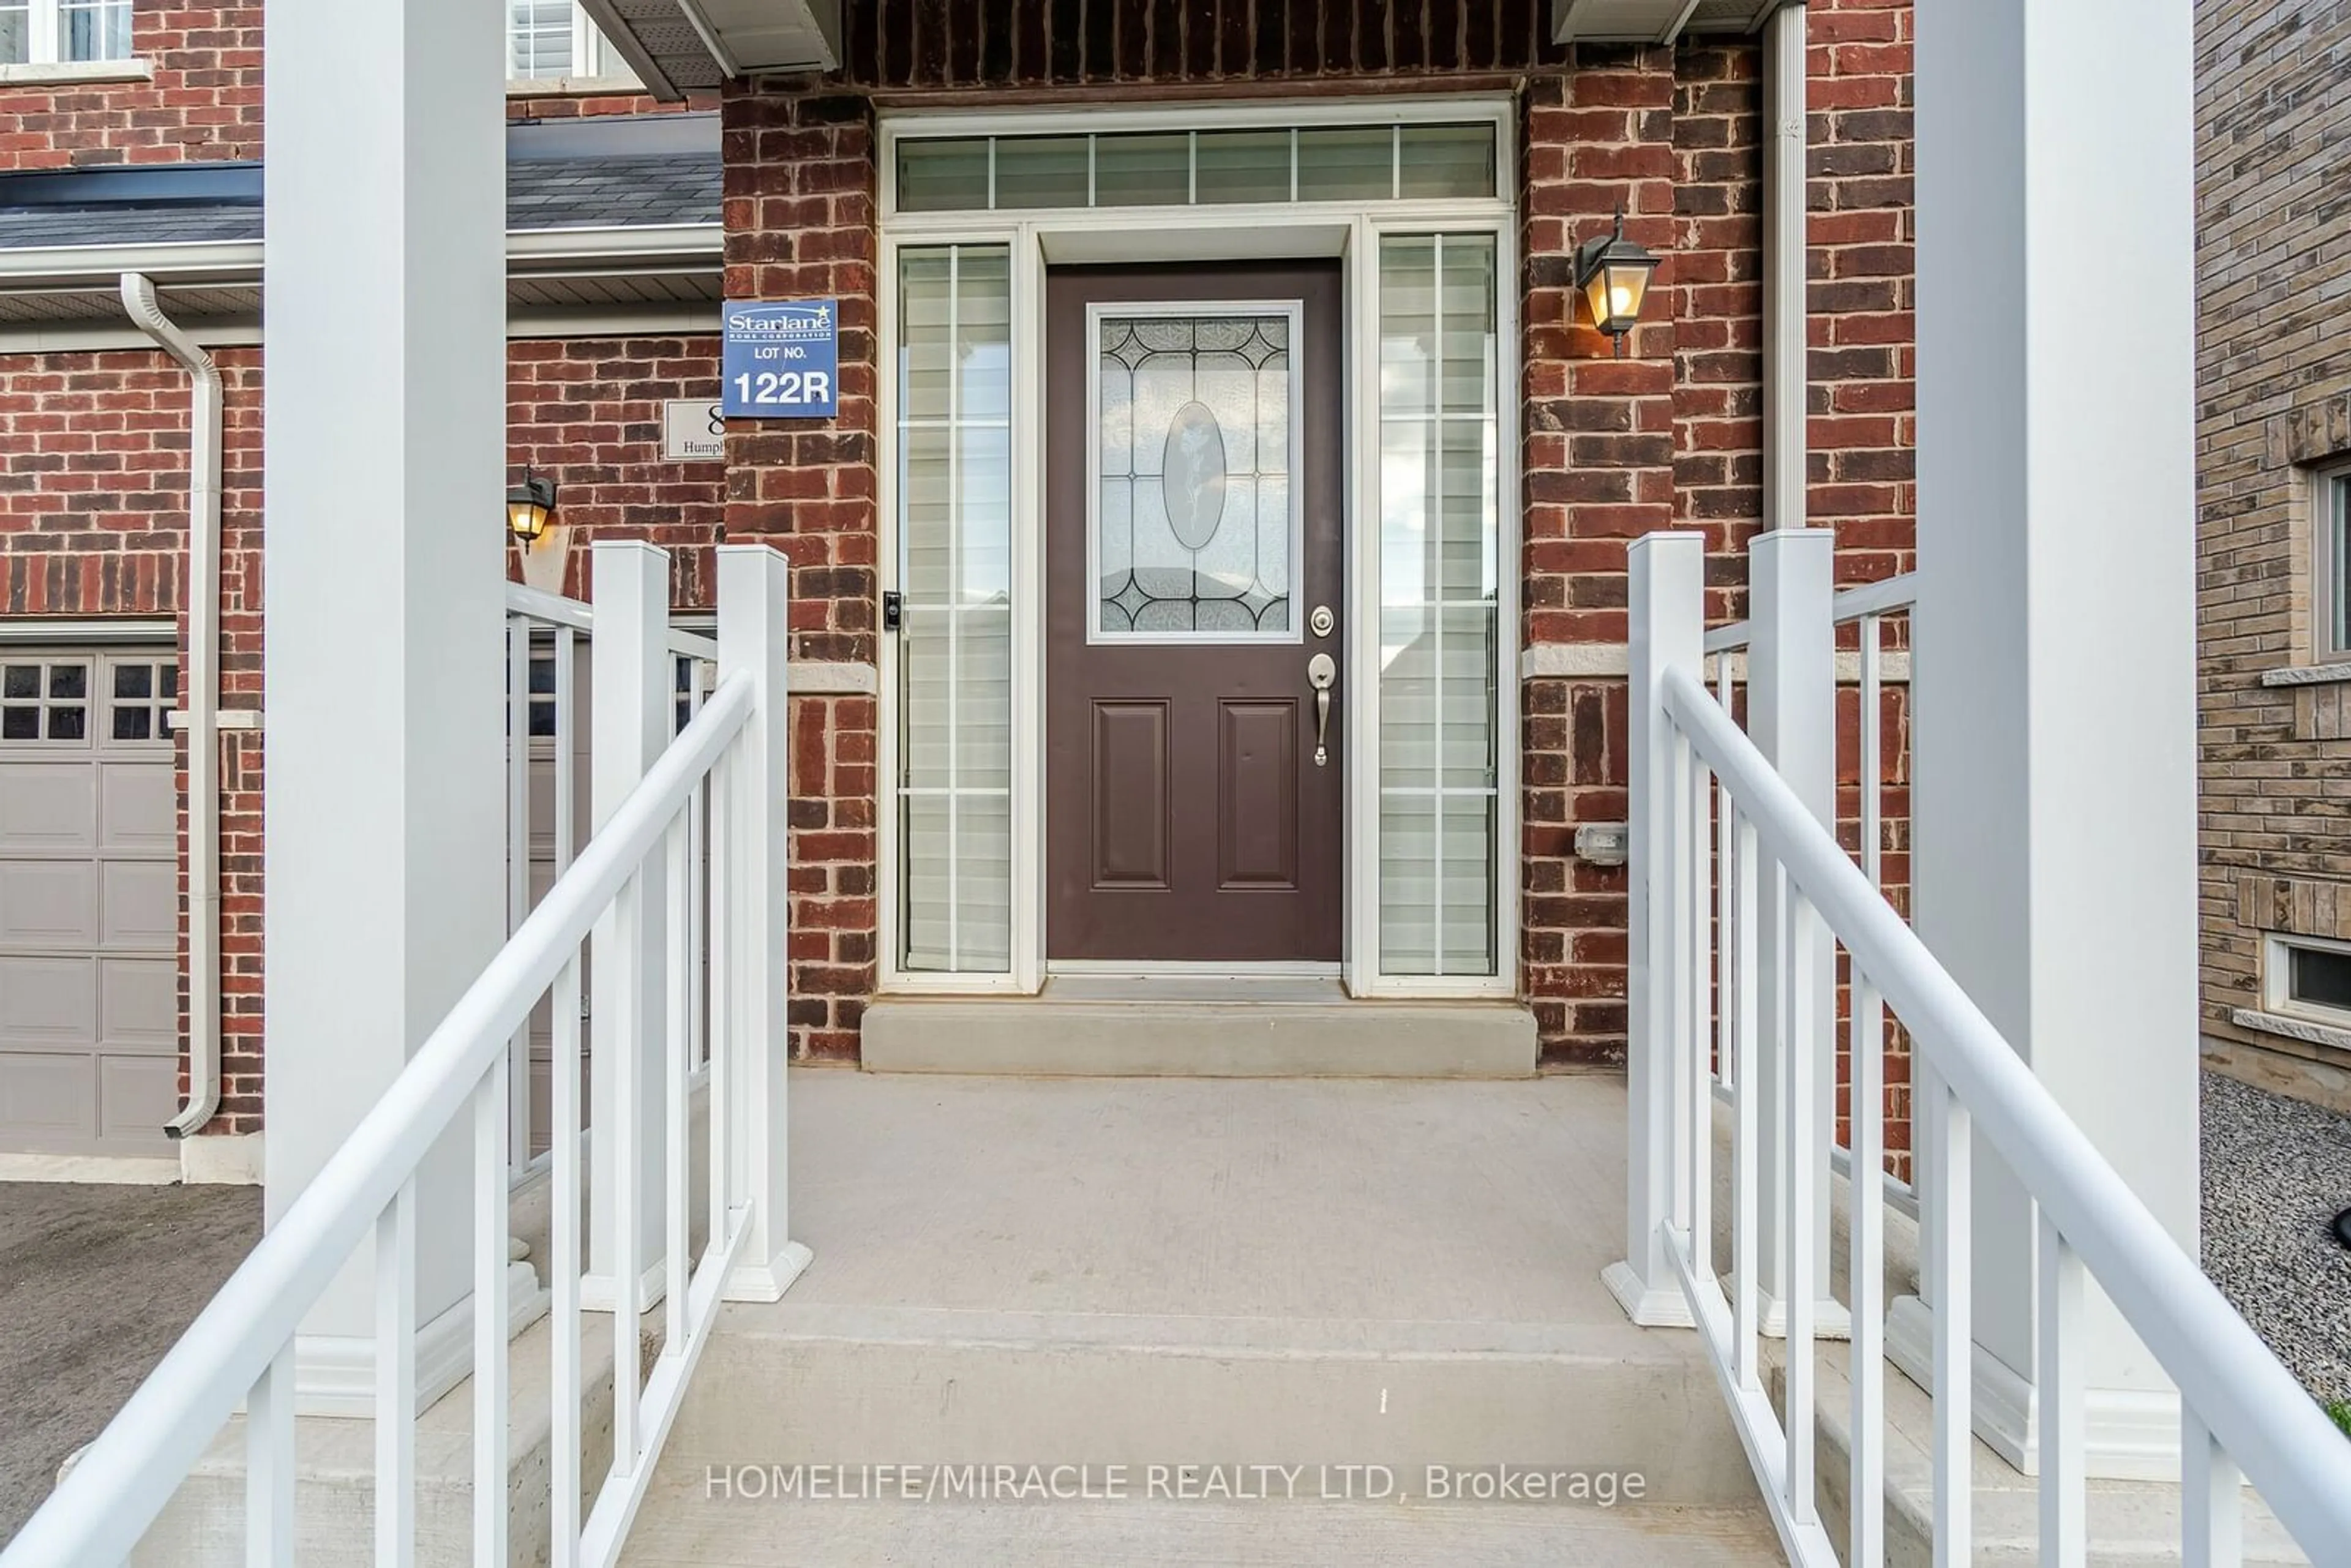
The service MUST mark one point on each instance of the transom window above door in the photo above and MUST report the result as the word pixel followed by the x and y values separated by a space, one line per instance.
pixel 1397 162
pixel 1195 516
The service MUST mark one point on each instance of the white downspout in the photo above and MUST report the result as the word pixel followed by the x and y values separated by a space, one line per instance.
pixel 203 700
pixel 1786 330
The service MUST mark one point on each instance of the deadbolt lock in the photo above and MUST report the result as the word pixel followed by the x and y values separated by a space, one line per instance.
pixel 1322 621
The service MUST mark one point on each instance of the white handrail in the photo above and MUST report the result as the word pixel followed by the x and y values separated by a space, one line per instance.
pixel 552 607
pixel 556 610
pixel 1888 597
pixel 124 1479
pixel 2228 1379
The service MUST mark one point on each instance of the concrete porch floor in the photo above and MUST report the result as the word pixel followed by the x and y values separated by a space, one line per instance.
pixel 1207 1271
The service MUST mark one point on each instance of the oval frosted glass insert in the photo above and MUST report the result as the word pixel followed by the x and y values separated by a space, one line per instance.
pixel 1192 474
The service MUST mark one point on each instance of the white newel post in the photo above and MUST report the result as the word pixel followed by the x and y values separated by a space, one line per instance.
pixel 2055 797
pixel 633 693
pixel 754 638
pixel 1792 717
pixel 384 470
pixel 1667 612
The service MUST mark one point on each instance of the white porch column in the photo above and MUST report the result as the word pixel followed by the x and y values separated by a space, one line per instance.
pixel 1665 584
pixel 2054 793
pixel 383 468
pixel 631 684
pixel 754 637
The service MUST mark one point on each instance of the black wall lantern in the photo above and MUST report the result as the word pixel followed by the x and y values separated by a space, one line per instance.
pixel 530 507
pixel 1613 274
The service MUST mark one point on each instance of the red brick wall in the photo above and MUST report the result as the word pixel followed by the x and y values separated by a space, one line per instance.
pixel 1601 136
pixel 800 212
pixel 93 522
pixel 1599 439
pixel 587 411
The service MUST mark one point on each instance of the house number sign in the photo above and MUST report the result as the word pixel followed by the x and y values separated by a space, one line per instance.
pixel 781 360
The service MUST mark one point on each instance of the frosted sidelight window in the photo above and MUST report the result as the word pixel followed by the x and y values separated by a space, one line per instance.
pixel 1439 524
pixel 1195 523
pixel 954 571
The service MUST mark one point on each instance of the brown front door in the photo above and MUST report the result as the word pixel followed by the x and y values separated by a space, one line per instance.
pixel 1193 502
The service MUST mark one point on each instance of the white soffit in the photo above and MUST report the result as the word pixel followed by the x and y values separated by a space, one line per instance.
pixel 1654 21
pixel 678 46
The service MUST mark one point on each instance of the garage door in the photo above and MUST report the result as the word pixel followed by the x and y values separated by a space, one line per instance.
pixel 88 902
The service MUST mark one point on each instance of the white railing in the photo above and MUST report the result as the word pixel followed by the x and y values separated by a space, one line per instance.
pixel 1726 650
pixel 546 632
pixel 1709 805
pixel 629 888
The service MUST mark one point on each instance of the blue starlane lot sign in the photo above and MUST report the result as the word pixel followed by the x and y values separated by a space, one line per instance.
pixel 782 359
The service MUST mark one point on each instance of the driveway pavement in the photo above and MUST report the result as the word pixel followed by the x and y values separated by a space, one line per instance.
pixel 95 1284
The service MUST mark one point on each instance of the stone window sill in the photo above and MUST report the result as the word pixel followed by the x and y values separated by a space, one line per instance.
pixel 76 73
pixel 2308 674
pixel 575 87
pixel 2306 1030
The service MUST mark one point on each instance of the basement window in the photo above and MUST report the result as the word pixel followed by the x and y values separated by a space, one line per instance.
pixel 2309 976
pixel 57 32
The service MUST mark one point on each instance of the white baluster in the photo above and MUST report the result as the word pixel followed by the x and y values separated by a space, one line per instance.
pixel 1802 1219
pixel 628 970
pixel 1867 1365
pixel 1726 900
pixel 2212 1502
pixel 678 845
pixel 2063 1386
pixel 1953 1172
pixel 567 653
pixel 1743 1178
pixel 519 864
pixel 499 1088
pixel 565 1395
pixel 1698 1105
pixel 269 1465
pixel 396 1380
pixel 1872 763
pixel 724 1031
pixel 1680 959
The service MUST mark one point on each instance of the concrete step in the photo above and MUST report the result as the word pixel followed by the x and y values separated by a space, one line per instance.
pixel 1220 1027
pixel 1167 1275
pixel 679 1527
pixel 860 1387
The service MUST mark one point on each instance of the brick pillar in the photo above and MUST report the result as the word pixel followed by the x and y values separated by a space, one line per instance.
pixel 1599 459
pixel 799 212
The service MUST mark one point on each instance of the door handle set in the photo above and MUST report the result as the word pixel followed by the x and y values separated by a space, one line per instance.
pixel 1321 674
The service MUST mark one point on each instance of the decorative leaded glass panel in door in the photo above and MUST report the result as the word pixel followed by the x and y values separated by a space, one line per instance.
pixel 1196 515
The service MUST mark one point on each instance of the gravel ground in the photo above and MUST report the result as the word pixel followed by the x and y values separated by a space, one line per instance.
pixel 2275 1172
pixel 95 1282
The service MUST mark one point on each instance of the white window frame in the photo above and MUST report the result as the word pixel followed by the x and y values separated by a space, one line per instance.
pixel 46 32
pixel 2330 509
pixel 2277 979
pixel 588 48
pixel 1349 232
